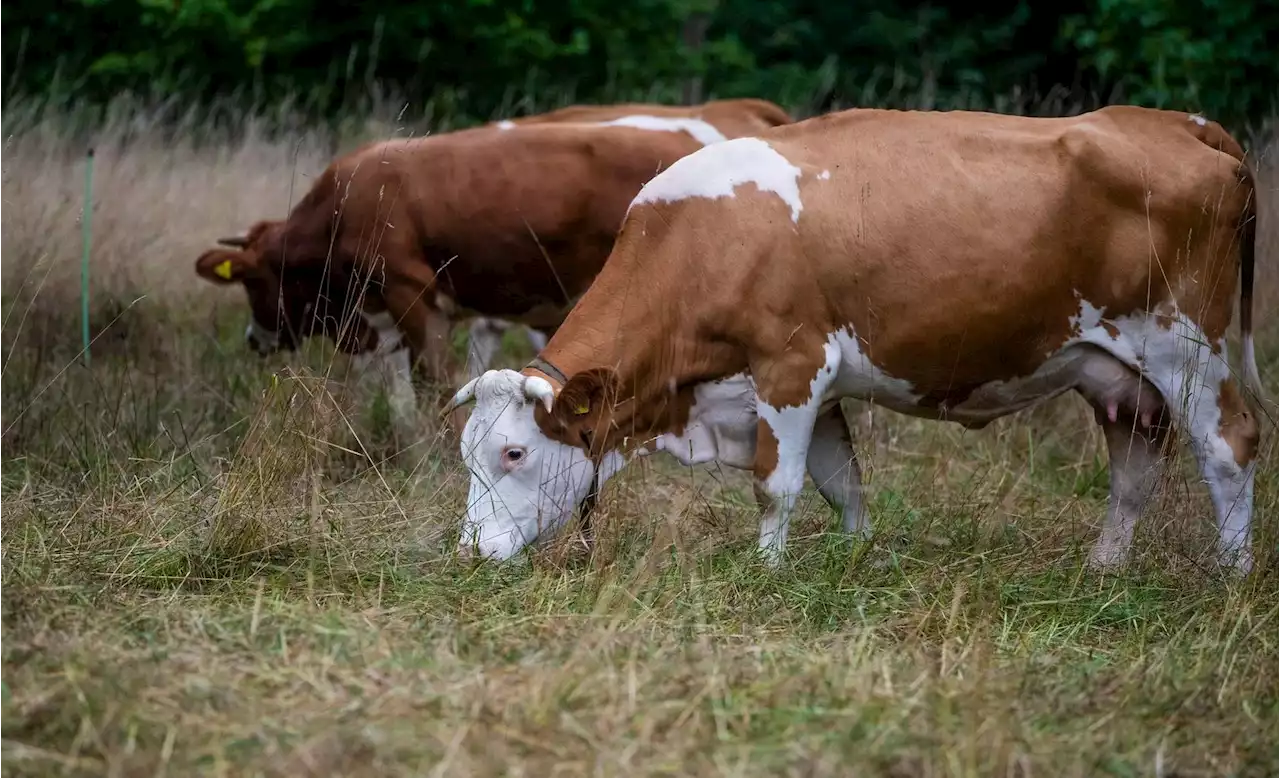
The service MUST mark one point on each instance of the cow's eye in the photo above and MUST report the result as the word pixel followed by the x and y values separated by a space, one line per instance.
pixel 512 456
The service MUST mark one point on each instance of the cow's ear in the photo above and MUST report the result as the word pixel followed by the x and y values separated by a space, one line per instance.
pixel 585 393
pixel 223 267
pixel 580 414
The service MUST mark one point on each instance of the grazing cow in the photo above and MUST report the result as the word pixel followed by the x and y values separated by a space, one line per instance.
pixel 494 221
pixel 956 266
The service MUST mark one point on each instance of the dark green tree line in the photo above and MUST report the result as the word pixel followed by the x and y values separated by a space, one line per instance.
pixel 483 56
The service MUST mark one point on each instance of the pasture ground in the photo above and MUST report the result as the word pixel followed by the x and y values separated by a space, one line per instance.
pixel 210 572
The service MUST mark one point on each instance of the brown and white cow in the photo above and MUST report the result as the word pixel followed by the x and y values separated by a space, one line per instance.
pixel 955 266
pixel 510 221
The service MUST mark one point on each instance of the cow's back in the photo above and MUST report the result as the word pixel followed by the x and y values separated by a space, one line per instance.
pixel 961 244
pixel 511 221
pixel 733 118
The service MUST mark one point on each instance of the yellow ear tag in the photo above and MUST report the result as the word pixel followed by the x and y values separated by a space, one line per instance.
pixel 580 410
pixel 223 269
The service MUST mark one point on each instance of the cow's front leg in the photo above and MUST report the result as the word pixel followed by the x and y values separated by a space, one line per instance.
pixel 790 392
pixel 426 330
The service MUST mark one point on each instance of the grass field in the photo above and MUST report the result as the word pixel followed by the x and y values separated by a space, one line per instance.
pixel 208 571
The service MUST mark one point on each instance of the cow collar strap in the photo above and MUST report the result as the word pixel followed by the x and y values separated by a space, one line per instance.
pixel 544 366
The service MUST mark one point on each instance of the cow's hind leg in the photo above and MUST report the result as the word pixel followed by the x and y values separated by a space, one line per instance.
pixel 833 466
pixel 1202 397
pixel 1131 412
pixel 790 396
pixel 1227 451
pixel 1134 453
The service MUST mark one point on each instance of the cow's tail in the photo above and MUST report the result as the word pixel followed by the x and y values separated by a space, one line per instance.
pixel 1215 136
pixel 1248 248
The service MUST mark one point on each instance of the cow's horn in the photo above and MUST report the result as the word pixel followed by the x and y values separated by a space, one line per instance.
pixel 538 388
pixel 238 241
pixel 465 395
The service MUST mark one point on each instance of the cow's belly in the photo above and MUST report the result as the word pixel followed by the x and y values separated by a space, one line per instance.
pixel 1061 371
pixel 992 400
pixel 543 316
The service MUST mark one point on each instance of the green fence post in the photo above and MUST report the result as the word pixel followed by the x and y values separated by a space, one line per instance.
pixel 87 229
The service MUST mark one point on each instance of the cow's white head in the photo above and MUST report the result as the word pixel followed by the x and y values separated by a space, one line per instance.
pixel 524 484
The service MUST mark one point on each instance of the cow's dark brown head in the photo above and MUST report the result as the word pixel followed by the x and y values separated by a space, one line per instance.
pixel 288 300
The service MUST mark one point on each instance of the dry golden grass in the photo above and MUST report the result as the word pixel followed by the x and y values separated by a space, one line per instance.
pixel 208 567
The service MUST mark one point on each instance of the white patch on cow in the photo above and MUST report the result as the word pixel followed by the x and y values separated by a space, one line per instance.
pixel 721 426
pixel 505 124
pixel 859 377
pixel 718 170
pixel 1088 317
pixel 792 427
pixel 260 338
pixel 1198 119
pixel 696 128
pixel 824 175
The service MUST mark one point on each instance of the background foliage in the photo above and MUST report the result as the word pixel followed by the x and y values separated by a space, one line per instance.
pixel 477 58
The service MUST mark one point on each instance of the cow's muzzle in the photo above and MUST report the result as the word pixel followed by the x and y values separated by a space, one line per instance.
pixel 263 341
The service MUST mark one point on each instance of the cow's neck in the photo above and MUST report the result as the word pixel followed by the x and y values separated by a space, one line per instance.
pixel 646 336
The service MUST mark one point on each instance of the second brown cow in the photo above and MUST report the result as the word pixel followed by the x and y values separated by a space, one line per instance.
pixel 399 239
